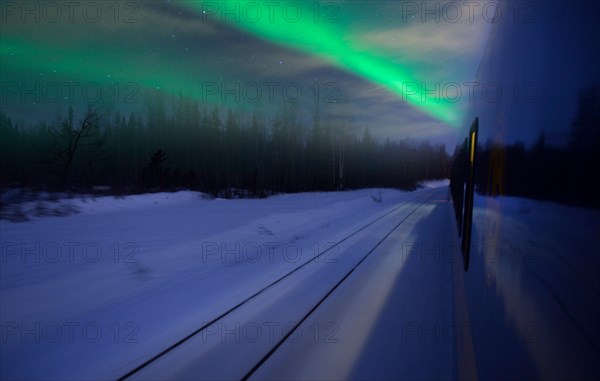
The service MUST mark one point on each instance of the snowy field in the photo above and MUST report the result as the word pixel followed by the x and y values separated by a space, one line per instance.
pixel 92 294
pixel 98 293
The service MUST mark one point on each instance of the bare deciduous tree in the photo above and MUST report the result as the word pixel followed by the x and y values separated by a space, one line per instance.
pixel 79 144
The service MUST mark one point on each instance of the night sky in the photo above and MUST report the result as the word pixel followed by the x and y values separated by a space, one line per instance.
pixel 364 63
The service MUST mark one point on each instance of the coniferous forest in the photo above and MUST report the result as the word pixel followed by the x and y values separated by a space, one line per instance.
pixel 179 145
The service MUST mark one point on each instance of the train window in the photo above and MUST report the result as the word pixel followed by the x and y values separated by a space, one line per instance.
pixel 458 179
pixel 467 219
pixel 462 188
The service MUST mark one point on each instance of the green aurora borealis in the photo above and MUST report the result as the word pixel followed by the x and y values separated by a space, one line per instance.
pixel 312 34
pixel 176 47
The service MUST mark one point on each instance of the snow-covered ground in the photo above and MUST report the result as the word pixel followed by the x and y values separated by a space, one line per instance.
pixel 93 294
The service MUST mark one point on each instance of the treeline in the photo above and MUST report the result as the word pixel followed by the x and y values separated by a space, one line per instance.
pixel 179 146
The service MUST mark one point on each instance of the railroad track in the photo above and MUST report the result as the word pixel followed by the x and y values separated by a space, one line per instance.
pixel 420 198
